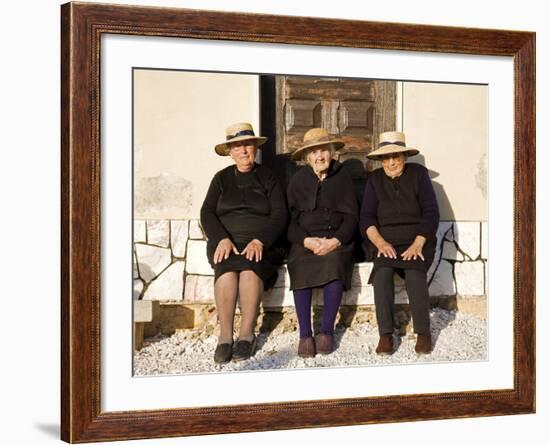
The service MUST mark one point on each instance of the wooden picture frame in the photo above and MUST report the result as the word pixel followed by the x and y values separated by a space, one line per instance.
pixel 82 26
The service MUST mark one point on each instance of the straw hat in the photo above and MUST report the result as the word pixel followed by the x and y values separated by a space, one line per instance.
pixel 316 137
pixel 242 131
pixel 392 142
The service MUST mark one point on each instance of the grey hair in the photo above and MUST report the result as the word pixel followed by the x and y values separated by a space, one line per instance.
pixel 308 151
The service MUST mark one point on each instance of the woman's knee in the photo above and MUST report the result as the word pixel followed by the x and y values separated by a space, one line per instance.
pixel 249 276
pixel 415 276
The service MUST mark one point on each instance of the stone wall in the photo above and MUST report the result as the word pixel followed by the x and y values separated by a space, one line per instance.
pixel 170 265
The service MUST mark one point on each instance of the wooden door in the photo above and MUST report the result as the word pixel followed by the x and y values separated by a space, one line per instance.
pixel 354 110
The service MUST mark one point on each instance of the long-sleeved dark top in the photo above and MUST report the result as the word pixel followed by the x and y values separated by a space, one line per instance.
pixel 244 206
pixel 400 208
pixel 325 208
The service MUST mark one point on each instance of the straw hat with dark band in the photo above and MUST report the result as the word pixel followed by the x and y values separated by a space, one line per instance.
pixel 314 138
pixel 238 132
pixel 391 142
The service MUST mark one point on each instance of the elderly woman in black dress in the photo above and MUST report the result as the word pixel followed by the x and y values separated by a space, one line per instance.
pixel 243 214
pixel 324 214
pixel 400 216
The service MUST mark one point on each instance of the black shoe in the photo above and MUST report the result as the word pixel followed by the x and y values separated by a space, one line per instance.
pixel 244 349
pixel 223 352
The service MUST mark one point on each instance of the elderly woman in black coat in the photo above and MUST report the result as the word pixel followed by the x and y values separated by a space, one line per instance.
pixel 324 214
pixel 399 218
pixel 243 214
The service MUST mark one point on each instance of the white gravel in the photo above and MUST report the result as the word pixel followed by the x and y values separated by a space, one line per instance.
pixel 457 337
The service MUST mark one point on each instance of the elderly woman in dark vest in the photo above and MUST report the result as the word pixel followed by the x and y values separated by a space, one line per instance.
pixel 243 214
pixel 324 214
pixel 400 216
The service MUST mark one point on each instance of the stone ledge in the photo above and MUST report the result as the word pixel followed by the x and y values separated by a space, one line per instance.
pixel 174 316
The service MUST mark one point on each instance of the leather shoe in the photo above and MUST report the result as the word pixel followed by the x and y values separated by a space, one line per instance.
pixel 423 344
pixel 324 343
pixel 385 345
pixel 306 347
pixel 244 349
pixel 223 352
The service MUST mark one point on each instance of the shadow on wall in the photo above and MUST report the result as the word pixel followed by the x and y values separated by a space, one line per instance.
pixel 445 207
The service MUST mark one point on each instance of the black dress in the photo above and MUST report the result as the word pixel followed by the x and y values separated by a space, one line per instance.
pixel 401 208
pixel 243 207
pixel 325 209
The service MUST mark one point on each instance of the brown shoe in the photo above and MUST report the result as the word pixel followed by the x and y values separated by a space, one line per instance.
pixel 385 345
pixel 306 347
pixel 423 344
pixel 324 343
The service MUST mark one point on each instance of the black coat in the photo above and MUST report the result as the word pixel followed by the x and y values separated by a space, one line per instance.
pixel 241 207
pixel 401 208
pixel 325 209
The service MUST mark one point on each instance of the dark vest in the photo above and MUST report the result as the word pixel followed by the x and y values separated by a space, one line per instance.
pixel 399 212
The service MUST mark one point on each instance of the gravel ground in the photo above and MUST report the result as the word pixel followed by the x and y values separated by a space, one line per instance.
pixel 457 337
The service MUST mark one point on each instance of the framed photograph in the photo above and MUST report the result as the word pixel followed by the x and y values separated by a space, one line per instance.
pixel 146 95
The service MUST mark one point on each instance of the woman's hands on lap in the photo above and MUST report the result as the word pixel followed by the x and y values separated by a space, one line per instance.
pixel 415 249
pixel 224 249
pixel 321 246
pixel 253 250
pixel 327 245
pixel 312 243
pixel 387 250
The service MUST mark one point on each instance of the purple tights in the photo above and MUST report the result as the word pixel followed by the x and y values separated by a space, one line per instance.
pixel 332 297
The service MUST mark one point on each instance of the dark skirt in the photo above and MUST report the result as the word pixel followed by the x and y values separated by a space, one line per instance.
pixel 309 270
pixel 266 269
pixel 400 265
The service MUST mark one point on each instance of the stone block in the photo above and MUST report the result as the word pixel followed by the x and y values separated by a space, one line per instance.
pixel 195 230
pixel 278 297
pixel 485 277
pixel 138 288
pixel 138 335
pixel 140 231
pixel 283 279
pixel 401 296
pixel 135 271
pixel 473 305
pixel 199 289
pixel 197 262
pixel 468 238
pixel 158 232
pixel 168 285
pixel 443 282
pixel 179 233
pixel 450 252
pixel 444 230
pixel 470 278
pixel 361 273
pixel 170 318
pixel 358 295
pixel 152 260
pixel 484 240
pixel 145 311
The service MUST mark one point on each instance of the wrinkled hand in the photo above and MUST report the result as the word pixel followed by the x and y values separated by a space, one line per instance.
pixel 387 250
pixel 414 251
pixel 253 250
pixel 312 243
pixel 223 250
pixel 327 245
